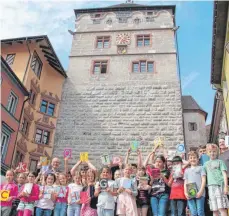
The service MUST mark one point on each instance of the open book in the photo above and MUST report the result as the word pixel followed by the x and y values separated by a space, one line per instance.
pixel 177 171
pixel 28 188
pixel 125 183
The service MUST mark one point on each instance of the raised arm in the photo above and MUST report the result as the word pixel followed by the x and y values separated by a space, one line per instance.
pixel 73 170
pixel 38 178
pixel 66 165
pixel 139 158
pixel 147 158
pixel 91 166
pixel 127 156
pixel 151 155
pixel 43 180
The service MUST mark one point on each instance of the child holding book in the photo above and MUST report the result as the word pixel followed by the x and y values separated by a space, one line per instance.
pixel 28 195
pixel 142 198
pixel 117 175
pixel 160 190
pixel 194 185
pixel 89 207
pixel 62 195
pixel 47 196
pixel 21 178
pixel 74 205
pixel 10 186
pixel 104 191
pixel 127 191
pixel 176 182
pixel 216 173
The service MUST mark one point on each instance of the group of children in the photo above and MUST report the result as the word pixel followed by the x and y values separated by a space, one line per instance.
pixel 162 187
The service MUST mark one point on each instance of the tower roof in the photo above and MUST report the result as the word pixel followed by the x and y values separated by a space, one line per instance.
pixel 123 5
pixel 189 104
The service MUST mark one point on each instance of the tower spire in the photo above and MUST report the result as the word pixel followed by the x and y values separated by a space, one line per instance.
pixel 129 1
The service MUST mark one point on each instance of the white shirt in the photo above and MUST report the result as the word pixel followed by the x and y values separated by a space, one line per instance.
pixel 105 199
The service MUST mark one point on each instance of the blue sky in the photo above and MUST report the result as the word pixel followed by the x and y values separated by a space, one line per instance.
pixel 54 18
pixel 195 42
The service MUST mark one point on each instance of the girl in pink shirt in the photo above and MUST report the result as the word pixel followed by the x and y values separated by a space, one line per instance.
pixel 10 186
pixel 62 196
pixel 28 195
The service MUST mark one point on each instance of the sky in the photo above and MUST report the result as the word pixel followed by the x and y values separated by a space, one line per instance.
pixel 54 18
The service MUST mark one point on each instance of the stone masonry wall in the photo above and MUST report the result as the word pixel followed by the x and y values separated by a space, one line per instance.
pixel 106 118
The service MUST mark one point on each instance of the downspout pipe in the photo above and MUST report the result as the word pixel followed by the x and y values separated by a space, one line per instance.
pixel 26 69
pixel 23 105
pixel 22 109
pixel 179 74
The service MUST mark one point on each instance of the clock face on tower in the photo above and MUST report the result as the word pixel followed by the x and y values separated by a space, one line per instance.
pixel 123 39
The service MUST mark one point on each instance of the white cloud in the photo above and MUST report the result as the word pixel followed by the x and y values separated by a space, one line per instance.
pixel 41 17
pixel 31 18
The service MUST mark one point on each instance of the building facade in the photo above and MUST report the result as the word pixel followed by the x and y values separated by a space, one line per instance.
pixel 194 123
pixel 13 95
pixel 35 63
pixel 122 82
pixel 220 70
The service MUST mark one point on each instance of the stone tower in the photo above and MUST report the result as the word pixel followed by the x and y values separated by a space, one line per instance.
pixel 122 82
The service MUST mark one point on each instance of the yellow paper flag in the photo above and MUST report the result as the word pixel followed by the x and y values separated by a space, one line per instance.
pixel 84 156
pixel 44 161
pixel 158 141
pixel 4 195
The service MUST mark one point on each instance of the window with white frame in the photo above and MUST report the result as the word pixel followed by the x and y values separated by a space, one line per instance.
pixel 12 102
pixel 143 66
pixel 42 136
pixel 10 59
pixel 33 165
pixel 36 64
pixel 100 67
pixel 4 144
pixel 5 139
pixel 47 107
pixel 143 40
pixel 103 42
